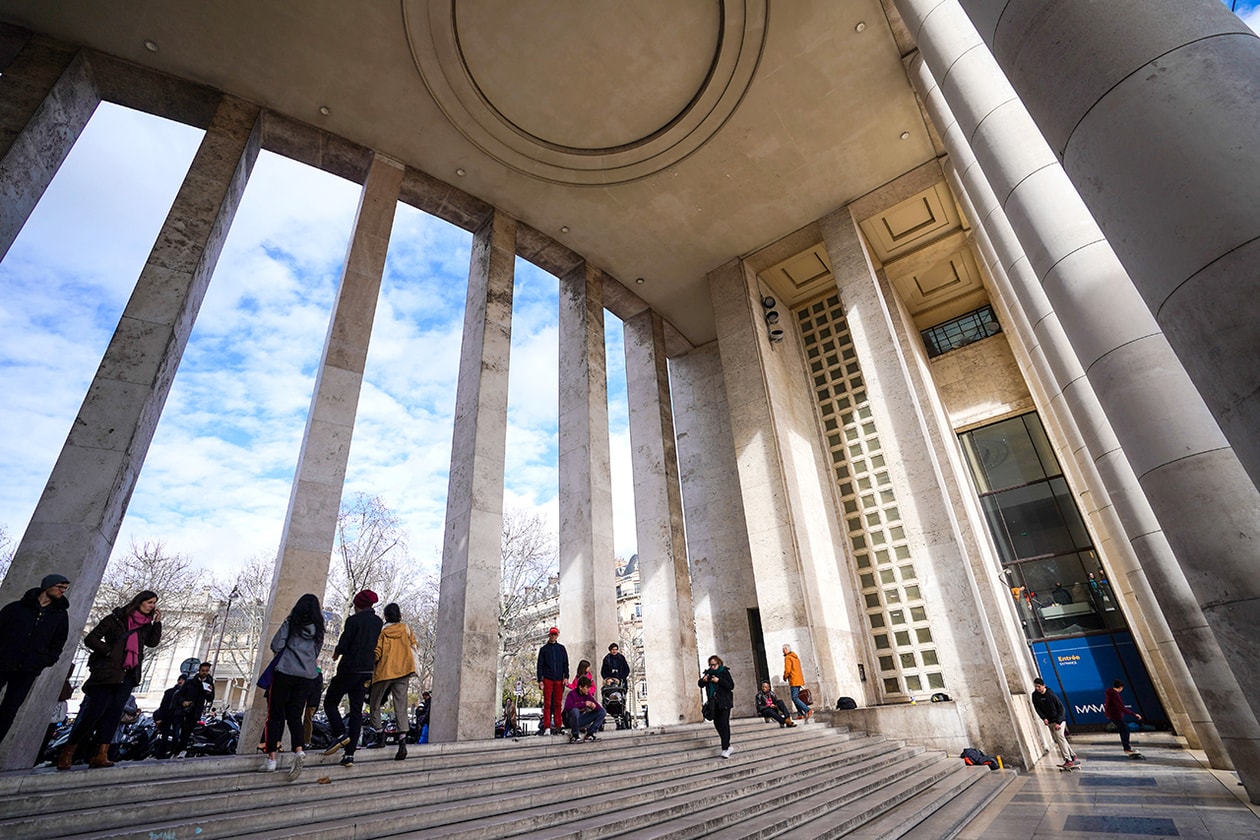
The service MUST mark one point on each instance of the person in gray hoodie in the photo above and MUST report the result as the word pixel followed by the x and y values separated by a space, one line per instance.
pixel 297 643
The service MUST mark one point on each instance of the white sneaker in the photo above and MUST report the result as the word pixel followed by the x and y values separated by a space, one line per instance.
pixel 295 769
pixel 269 766
pixel 726 753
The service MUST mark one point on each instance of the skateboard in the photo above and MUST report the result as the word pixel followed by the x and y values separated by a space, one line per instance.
pixel 1137 755
pixel 1063 769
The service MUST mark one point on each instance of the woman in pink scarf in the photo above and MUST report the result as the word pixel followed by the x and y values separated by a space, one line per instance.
pixel 117 646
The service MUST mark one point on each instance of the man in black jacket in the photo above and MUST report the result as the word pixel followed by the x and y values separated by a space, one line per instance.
pixel 553 670
pixel 356 655
pixel 167 720
pixel 1050 709
pixel 32 634
pixel 191 700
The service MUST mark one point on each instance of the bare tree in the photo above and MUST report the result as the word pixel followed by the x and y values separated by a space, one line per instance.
pixel 183 589
pixel 7 547
pixel 528 584
pixel 371 553
pixel 241 618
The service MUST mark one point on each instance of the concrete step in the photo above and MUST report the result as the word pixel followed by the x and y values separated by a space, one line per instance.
pixel 264 802
pixel 141 783
pixel 670 782
pixel 948 821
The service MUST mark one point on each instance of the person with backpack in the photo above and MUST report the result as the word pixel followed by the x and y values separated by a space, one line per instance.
pixel 1050 709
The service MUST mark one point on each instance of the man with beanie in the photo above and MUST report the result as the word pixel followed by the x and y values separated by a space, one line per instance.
pixel 33 632
pixel 553 671
pixel 356 658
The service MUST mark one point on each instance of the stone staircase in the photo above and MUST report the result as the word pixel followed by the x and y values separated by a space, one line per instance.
pixel 811 781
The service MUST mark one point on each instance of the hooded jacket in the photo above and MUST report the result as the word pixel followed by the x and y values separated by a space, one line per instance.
pixel 299 651
pixel 394 647
pixel 1048 706
pixel 32 637
pixel 108 643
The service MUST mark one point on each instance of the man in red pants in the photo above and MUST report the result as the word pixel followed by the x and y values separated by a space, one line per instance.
pixel 553 671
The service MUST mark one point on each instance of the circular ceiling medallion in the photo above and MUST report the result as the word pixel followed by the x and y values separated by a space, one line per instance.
pixel 587 92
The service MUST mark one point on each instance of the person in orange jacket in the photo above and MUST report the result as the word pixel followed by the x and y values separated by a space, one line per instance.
pixel 794 676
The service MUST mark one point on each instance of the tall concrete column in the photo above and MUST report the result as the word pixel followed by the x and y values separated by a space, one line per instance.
pixel 76 521
pixel 969 651
pixel 47 95
pixel 1204 501
pixel 310 524
pixel 588 588
pixel 1117 501
pixel 718 558
pixel 669 631
pixel 795 540
pixel 467 655
pixel 1152 107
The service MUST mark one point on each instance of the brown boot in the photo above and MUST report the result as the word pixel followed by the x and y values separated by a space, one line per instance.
pixel 101 759
pixel 66 757
pixel 791 722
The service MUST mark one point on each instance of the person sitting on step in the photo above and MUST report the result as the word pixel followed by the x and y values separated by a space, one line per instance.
pixel 771 707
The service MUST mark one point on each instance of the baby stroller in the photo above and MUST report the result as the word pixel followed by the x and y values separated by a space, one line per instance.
pixel 613 696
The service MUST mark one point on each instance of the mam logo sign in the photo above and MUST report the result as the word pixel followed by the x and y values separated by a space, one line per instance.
pixel 1080 670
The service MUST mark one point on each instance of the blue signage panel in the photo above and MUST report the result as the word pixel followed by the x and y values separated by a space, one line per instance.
pixel 1081 670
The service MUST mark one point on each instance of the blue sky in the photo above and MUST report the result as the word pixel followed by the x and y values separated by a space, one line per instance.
pixel 216 482
pixel 1248 10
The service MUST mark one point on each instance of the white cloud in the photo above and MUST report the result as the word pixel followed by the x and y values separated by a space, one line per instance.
pixel 216 482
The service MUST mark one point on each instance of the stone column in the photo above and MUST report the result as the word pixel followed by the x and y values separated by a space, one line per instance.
pixel 1152 109
pixel 467 655
pixel 1202 497
pixel 719 562
pixel 967 648
pixel 588 589
pixel 47 95
pixel 1118 500
pixel 310 525
pixel 76 521
pixel 669 633
pixel 788 494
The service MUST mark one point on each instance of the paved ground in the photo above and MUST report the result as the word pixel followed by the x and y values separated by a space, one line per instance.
pixel 1171 794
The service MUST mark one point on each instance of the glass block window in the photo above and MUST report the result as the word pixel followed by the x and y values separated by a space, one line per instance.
pixel 883 567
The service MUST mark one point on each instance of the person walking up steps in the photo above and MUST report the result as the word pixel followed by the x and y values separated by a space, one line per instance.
pixel 298 643
pixel 395 666
pixel 356 651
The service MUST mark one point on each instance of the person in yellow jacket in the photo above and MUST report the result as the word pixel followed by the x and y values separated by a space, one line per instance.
pixel 395 666
pixel 794 676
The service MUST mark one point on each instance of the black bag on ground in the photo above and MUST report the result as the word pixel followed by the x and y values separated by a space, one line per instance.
pixel 846 703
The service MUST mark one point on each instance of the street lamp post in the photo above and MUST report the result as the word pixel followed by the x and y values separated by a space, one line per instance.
pixel 227 610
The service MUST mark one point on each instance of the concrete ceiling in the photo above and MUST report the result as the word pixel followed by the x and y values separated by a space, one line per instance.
pixel 667 136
